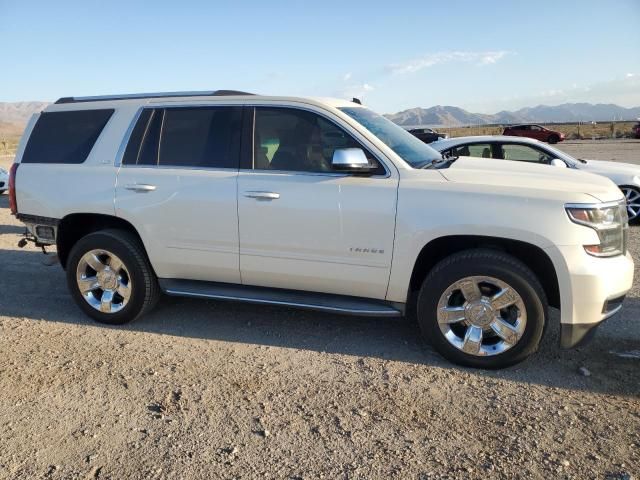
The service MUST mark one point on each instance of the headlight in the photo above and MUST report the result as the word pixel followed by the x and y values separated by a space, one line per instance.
pixel 3 171
pixel 609 220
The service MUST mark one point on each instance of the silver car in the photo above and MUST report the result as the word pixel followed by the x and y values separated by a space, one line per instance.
pixel 625 175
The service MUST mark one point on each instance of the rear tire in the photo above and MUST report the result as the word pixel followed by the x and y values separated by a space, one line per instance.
pixel 122 287
pixel 453 323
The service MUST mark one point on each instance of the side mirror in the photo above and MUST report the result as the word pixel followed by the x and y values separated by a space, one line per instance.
pixel 351 160
pixel 556 162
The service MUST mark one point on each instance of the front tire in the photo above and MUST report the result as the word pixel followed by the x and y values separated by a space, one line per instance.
pixel 110 277
pixel 553 139
pixel 482 309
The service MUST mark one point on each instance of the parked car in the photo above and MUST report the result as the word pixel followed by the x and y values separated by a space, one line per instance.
pixel 536 132
pixel 317 204
pixel 636 130
pixel 427 135
pixel 4 180
pixel 625 175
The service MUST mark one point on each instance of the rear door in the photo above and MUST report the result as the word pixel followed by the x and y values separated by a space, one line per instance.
pixel 177 186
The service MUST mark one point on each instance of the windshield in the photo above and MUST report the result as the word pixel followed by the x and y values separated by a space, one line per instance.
pixel 409 148
pixel 572 161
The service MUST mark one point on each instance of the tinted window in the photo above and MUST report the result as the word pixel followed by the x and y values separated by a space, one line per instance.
pixel 295 140
pixel 65 137
pixel 482 150
pixel 524 153
pixel 135 140
pixel 201 137
pixel 148 152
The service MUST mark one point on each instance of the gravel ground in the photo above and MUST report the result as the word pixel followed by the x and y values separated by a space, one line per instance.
pixel 615 150
pixel 222 390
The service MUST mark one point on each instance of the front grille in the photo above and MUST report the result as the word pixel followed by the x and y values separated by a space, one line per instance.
pixel 611 305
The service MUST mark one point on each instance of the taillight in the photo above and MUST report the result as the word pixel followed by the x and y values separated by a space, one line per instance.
pixel 13 204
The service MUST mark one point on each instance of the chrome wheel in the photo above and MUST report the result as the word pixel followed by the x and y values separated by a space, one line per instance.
pixel 482 316
pixel 103 281
pixel 633 201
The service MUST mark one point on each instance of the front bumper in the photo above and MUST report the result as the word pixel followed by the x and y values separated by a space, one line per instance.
pixel 591 290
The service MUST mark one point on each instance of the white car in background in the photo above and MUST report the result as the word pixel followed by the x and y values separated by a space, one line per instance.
pixel 4 180
pixel 625 175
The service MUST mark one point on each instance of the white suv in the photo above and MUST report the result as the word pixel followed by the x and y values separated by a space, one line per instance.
pixel 319 204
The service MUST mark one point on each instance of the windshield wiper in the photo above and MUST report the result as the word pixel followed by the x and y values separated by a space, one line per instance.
pixel 444 162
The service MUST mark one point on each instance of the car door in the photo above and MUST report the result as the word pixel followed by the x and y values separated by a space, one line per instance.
pixel 304 226
pixel 177 186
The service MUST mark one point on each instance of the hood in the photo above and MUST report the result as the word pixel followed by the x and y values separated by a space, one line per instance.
pixel 603 167
pixel 531 177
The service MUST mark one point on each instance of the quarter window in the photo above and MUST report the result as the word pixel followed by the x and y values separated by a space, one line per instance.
pixel 297 140
pixel 65 137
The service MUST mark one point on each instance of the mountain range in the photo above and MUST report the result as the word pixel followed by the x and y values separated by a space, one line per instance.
pixel 14 115
pixel 449 116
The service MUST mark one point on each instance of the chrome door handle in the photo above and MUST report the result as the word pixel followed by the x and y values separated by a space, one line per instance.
pixel 140 187
pixel 262 195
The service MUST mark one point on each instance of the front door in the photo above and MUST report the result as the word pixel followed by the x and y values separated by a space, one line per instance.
pixel 304 226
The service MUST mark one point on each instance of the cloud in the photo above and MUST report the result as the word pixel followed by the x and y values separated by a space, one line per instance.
pixel 432 59
pixel 347 77
pixel 358 90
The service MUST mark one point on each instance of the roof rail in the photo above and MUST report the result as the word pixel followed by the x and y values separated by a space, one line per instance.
pixel 134 96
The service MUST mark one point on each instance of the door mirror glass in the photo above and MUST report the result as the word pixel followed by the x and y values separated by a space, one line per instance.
pixel 350 160
pixel 556 162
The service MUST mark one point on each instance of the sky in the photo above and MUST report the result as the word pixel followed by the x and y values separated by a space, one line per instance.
pixel 484 56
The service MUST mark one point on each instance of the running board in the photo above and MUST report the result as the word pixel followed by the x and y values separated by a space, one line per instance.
pixel 275 296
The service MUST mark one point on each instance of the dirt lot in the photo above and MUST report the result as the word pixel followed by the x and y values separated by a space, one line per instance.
pixel 222 390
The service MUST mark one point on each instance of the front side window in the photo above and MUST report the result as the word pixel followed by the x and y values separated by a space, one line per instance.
pixel 524 153
pixel 411 149
pixel 65 137
pixel 299 141
pixel 197 137
pixel 482 150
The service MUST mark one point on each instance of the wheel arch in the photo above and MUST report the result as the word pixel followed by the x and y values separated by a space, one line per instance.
pixel 531 255
pixel 77 225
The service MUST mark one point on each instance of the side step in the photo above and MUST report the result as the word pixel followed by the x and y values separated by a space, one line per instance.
pixel 275 296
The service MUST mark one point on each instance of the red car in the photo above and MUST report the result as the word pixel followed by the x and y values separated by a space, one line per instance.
pixel 636 130
pixel 534 131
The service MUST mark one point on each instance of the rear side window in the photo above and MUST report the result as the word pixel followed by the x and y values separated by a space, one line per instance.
pixel 65 137
pixel 200 137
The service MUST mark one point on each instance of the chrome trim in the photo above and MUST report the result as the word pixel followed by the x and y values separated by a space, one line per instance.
pixel 260 195
pixel 140 188
pixel 391 312
pixel 598 206
pixel 612 312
